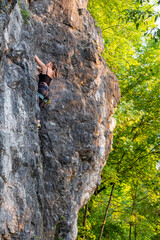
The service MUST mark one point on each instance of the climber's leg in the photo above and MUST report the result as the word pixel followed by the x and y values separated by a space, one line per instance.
pixel 43 95
pixel 41 103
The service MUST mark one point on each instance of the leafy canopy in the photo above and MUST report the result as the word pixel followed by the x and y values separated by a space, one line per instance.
pixel 132 165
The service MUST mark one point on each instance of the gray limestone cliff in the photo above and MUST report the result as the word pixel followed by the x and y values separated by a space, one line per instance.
pixel 47 176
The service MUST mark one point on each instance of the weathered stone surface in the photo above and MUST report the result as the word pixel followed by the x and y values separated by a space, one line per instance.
pixel 46 178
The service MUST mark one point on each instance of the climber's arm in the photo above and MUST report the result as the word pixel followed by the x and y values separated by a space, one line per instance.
pixel 39 62
pixel 39 69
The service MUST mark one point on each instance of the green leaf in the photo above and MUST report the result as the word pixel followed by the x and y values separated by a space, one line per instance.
pixel 137 26
pixel 156 17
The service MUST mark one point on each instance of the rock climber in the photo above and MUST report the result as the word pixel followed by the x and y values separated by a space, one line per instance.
pixel 47 73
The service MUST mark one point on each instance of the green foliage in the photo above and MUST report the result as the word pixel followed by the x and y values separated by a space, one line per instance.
pixel 114 230
pixel 131 166
pixel 26 15
pixel 24 11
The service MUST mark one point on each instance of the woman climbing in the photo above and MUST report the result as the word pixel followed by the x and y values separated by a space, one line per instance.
pixel 47 73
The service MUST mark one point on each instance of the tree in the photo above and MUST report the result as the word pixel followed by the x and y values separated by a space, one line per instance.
pixel 130 178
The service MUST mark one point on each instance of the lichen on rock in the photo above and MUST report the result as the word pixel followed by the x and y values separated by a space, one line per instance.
pixel 46 177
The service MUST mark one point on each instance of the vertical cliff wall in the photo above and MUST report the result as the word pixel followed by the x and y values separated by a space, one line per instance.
pixel 46 177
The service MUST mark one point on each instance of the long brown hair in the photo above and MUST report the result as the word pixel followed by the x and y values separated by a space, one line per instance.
pixel 55 69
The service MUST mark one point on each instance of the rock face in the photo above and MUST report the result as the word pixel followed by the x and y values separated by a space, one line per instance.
pixel 47 176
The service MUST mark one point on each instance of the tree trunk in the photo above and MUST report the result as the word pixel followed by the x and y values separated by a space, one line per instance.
pixel 130 231
pixel 135 231
pixel 85 215
pixel 110 198
pixel 106 213
pixel 131 222
pixel 84 219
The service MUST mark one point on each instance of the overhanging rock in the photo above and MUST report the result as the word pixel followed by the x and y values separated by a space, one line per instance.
pixel 46 177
